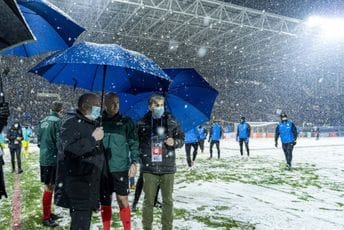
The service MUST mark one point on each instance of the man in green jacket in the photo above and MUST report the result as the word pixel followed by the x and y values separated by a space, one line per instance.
pixel 48 132
pixel 122 152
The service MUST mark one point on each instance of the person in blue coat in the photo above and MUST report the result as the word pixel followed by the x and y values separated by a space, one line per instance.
pixel 287 131
pixel 243 135
pixel 202 134
pixel 191 140
pixel 214 138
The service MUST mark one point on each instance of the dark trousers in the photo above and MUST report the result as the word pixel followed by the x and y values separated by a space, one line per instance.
pixel 288 152
pixel 188 152
pixel 217 143
pixel 15 152
pixel 138 190
pixel 201 145
pixel 241 141
pixel 81 219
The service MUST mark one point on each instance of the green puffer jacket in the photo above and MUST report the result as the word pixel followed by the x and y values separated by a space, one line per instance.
pixel 120 142
pixel 48 131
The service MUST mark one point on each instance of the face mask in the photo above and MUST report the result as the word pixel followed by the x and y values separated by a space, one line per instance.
pixel 15 125
pixel 158 112
pixel 95 112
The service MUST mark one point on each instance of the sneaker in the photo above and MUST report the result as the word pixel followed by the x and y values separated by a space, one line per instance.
pixel 209 158
pixel 50 223
pixel 190 168
pixel 55 217
pixel 20 171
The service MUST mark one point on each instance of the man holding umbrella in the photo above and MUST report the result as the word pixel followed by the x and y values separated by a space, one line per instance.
pixel 80 162
pixel 159 136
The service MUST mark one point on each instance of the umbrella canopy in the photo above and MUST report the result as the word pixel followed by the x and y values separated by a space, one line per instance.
pixel 52 28
pixel 189 98
pixel 13 28
pixel 103 67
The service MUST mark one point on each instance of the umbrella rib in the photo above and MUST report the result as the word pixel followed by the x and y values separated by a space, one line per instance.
pixel 57 74
pixel 94 79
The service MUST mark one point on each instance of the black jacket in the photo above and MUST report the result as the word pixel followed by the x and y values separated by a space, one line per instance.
pixel 147 128
pixel 4 113
pixel 12 134
pixel 80 164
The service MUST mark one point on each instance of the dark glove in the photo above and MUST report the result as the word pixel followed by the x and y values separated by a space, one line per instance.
pixel 276 144
pixel 294 143
pixel 4 111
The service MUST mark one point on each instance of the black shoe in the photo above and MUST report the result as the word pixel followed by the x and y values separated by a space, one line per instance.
pixel 20 171
pixel 50 223
pixel 134 207
pixel 158 204
pixel 55 217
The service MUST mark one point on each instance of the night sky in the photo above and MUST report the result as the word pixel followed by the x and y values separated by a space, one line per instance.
pixel 300 9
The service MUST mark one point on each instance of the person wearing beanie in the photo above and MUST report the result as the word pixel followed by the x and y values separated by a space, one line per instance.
pixel 48 131
pixel 243 135
pixel 287 131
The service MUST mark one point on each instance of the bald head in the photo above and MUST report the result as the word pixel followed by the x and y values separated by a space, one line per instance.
pixel 86 101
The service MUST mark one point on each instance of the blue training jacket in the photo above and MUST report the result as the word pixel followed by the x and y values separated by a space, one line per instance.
pixel 287 132
pixel 202 133
pixel 216 132
pixel 243 130
pixel 191 136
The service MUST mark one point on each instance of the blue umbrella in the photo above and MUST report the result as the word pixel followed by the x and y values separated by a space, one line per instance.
pixel 189 98
pixel 103 67
pixel 52 28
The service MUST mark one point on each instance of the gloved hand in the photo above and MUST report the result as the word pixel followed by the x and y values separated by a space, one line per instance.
pixel 4 111
pixel 276 144
pixel 294 143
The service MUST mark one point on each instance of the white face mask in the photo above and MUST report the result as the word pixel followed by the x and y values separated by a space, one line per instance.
pixel 16 125
pixel 95 112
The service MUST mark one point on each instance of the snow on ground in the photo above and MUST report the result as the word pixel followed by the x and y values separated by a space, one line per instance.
pixel 276 206
pixel 253 193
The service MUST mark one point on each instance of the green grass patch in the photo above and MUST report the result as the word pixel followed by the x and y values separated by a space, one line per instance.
pixel 31 193
pixel 256 170
pixel 222 222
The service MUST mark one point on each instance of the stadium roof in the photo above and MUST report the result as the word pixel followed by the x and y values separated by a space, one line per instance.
pixel 207 35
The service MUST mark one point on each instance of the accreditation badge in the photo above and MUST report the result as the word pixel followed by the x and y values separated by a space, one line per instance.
pixel 157 150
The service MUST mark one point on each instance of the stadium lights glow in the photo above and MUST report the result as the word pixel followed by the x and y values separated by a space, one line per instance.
pixel 332 28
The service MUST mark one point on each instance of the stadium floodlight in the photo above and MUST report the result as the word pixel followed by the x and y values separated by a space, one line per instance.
pixel 331 28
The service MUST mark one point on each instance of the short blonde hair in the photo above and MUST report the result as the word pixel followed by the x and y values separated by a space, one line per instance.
pixel 155 98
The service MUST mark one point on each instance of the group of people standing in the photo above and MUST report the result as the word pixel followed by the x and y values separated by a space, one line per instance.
pixel 94 158
pixel 90 156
